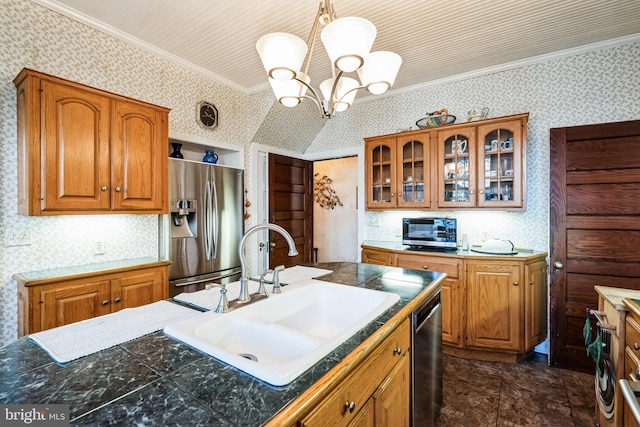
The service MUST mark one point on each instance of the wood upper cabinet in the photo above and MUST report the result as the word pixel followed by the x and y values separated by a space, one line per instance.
pixel 494 305
pixel 398 172
pixel 501 164
pixel 49 303
pixel 456 168
pixel 82 150
pixel 468 165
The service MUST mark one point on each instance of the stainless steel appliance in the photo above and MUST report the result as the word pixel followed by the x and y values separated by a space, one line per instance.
pixel 205 224
pixel 439 233
pixel 426 363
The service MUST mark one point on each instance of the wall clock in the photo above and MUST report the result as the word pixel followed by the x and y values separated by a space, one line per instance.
pixel 207 115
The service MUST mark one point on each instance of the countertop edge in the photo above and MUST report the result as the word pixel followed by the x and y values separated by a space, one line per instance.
pixel 23 281
pixel 288 415
pixel 521 256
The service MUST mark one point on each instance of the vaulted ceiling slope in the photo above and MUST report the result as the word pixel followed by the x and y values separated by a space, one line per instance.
pixel 436 39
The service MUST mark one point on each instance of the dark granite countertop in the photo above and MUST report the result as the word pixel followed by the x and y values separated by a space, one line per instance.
pixel 155 380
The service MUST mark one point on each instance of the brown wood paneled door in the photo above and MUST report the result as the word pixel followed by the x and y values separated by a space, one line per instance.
pixel 291 207
pixel 595 227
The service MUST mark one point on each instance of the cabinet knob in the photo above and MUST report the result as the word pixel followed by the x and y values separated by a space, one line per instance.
pixel 104 188
pixel 397 350
pixel 471 192
pixel 348 406
pixel 516 284
pixel 531 282
pixel 481 191
pixel 118 189
pixel 105 302
pixel 426 267
pixel 118 299
pixel 393 195
pixel 636 347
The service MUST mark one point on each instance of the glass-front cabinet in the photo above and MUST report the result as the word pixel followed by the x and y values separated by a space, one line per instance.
pixel 414 172
pixel 456 168
pixel 398 172
pixel 500 165
pixel 381 173
pixel 461 166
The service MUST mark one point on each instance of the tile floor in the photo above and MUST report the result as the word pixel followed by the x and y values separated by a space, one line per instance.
pixel 478 394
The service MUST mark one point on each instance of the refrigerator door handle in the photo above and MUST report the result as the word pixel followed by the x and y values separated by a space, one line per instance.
pixel 207 220
pixel 214 219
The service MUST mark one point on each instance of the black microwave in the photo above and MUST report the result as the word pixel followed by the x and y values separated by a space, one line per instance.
pixel 430 232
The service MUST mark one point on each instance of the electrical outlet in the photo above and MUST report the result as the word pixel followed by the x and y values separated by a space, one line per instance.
pixel 18 238
pixel 99 247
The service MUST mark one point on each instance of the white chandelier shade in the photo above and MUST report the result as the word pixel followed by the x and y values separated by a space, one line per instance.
pixel 348 41
pixel 281 54
pixel 345 91
pixel 379 71
pixel 290 92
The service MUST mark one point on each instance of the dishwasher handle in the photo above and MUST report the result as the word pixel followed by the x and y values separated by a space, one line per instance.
pixel 423 313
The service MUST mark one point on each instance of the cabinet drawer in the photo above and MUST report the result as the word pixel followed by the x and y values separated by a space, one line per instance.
pixel 361 383
pixel 377 257
pixel 632 337
pixel 439 264
pixel 631 363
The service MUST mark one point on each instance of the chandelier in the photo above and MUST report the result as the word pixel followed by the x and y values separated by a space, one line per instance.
pixel 348 43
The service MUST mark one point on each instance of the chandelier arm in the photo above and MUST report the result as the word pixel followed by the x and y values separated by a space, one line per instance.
pixel 311 41
pixel 315 96
pixel 330 12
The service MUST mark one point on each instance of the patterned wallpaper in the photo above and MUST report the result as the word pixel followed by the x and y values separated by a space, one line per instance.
pixel 594 87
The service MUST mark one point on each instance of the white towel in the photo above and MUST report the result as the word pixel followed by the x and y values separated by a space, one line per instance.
pixel 69 342
pixel 208 299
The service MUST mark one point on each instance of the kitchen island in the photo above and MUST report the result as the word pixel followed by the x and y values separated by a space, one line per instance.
pixel 155 380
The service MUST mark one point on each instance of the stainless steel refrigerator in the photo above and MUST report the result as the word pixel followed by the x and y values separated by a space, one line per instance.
pixel 205 224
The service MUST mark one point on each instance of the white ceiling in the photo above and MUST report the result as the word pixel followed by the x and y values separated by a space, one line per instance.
pixel 436 39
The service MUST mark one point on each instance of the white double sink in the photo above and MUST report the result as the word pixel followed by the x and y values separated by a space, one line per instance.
pixel 279 338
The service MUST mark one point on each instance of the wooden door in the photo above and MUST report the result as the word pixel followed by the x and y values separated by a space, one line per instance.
pixel 393 396
pixel 535 310
pixel 291 207
pixel 61 304
pixel 139 158
pixel 75 164
pixel 139 288
pixel 595 227
pixel 494 305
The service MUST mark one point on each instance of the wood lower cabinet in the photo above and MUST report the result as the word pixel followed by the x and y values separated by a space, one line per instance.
pixel 58 301
pixel 82 150
pixel 493 307
pixel 451 289
pixel 376 393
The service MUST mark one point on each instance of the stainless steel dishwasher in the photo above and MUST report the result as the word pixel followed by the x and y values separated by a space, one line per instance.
pixel 426 362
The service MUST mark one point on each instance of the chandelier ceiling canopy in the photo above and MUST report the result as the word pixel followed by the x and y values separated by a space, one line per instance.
pixel 348 43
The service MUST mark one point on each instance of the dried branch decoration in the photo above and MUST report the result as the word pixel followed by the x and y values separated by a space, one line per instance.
pixel 323 194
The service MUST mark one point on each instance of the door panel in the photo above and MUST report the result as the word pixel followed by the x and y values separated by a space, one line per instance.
pixel 291 207
pixel 595 227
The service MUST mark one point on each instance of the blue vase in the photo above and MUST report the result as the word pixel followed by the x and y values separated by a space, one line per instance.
pixel 210 157
pixel 176 154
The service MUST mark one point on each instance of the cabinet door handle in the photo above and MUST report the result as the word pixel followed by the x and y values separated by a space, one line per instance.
pixel 471 192
pixel 516 284
pixel 118 189
pixel 481 191
pixel 348 406
pixel 105 302
pixel 397 350
pixel 104 188
pixel 426 267
pixel 118 299
pixel 636 347
pixel 531 282
pixel 393 195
